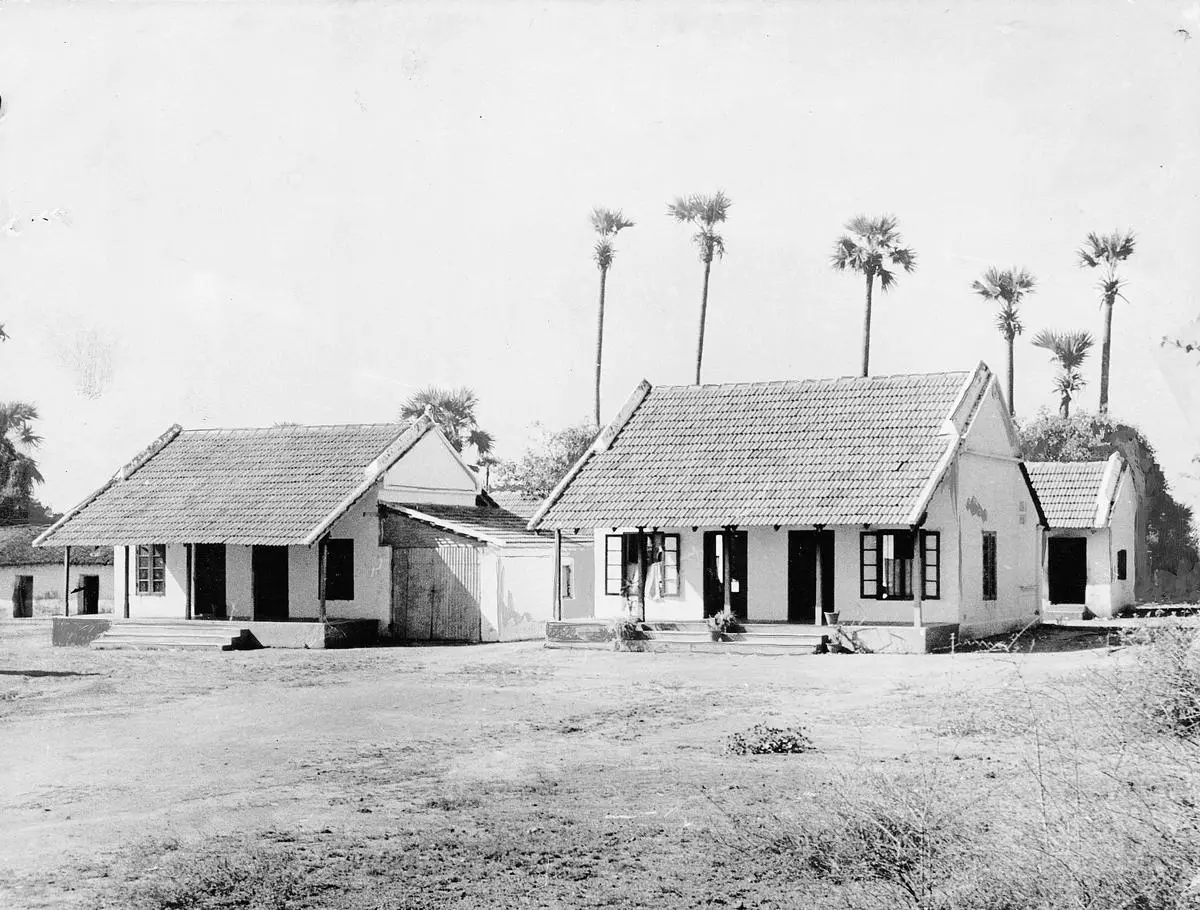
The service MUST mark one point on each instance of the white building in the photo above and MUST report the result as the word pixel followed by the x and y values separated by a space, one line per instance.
pixel 234 525
pixel 33 578
pixel 1091 509
pixel 891 499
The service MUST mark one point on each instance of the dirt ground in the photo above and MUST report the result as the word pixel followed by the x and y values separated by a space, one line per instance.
pixel 494 775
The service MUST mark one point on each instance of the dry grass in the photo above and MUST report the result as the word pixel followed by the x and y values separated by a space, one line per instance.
pixel 511 776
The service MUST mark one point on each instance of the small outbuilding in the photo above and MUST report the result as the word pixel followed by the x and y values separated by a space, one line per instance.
pixel 1091 510
pixel 35 578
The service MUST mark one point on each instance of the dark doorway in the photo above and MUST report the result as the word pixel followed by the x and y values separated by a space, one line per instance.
pixel 22 597
pixel 802 575
pixel 269 567
pixel 88 601
pixel 209 571
pixel 714 586
pixel 1066 570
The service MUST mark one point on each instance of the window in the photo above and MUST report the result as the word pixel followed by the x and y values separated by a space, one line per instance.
pixel 1122 565
pixel 989 565
pixel 621 563
pixel 886 565
pixel 566 579
pixel 152 569
pixel 339 569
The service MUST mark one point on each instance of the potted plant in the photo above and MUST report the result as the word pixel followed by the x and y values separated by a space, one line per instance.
pixel 721 623
pixel 832 617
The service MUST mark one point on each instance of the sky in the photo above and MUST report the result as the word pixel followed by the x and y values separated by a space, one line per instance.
pixel 235 214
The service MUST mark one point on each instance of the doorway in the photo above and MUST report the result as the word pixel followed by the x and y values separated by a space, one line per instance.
pixel 210 581
pixel 22 597
pixel 89 595
pixel 1066 569
pixel 269 570
pixel 714 585
pixel 802 576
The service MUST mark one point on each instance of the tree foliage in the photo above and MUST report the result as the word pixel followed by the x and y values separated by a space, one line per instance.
pixel 705 213
pixel 545 463
pixel 18 468
pixel 453 410
pixel 1169 528
pixel 873 247
pixel 1069 350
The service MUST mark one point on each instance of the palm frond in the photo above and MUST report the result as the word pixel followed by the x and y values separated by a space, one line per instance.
pixel 482 440
pixel 1070 349
pixel 1106 249
pixel 3 334
pixel 603 253
pixel 607 222
pixel 869 244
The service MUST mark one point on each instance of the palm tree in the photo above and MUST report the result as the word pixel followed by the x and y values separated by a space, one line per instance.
pixel 705 212
pixel 1006 289
pixel 18 469
pixel 1070 350
pixel 607 223
pixel 871 246
pixel 453 410
pixel 1107 251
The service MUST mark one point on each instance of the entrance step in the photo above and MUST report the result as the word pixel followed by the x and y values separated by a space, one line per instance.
pixel 168 634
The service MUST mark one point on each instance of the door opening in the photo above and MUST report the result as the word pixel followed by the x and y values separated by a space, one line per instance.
pixel 802 576
pixel 1066 569
pixel 269 567
pixel 209 581
pixel 714 585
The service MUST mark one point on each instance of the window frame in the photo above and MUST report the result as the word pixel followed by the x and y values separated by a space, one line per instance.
pixel 566 578
pixel 341 582
pixel 623 545
pixel 870 564
pixel 150 569
pixel 991 568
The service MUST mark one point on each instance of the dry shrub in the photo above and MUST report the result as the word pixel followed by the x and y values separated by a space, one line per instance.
pixel 1167 685
pixel 256 877
pixel 764 740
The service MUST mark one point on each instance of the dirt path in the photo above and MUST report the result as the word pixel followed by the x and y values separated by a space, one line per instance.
pixel 173 745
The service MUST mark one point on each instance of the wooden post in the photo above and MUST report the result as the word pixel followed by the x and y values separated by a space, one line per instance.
pixel 66 581
pixel 641 576
pixel 322 571
pixel 820 575
pixel 126 605
pixel 726 568
pixel 189 581
pixel 557 575
pixel 918 584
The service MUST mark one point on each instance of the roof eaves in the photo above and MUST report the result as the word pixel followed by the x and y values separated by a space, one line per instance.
pixel 1037 500
pixel 444 525
pixel 1106 495
pixel 124 473
pixel 372 473
pixel 600 444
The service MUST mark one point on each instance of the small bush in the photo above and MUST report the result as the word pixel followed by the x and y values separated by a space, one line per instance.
pixel 725 621
pixel 1167 687
pixel 763 740
pixel 626 627
pixel 256 878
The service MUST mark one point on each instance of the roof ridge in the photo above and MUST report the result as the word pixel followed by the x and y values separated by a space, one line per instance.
pixel 300 426
pixel 813 379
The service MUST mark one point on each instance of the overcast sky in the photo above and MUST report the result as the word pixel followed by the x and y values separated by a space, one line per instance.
pixel 305 211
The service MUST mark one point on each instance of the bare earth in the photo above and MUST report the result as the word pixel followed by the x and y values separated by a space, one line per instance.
pixel 498 775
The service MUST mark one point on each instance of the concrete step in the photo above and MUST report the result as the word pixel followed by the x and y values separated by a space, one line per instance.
pixel 183 636
pixel 725 647
pixel 159 644
pixel 183 633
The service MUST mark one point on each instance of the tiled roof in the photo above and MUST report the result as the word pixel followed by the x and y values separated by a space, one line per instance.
pixel 515 501
pixel 16 549
pixel 1069 490
pixel 484 523
pixel 260 486
pixel 832 451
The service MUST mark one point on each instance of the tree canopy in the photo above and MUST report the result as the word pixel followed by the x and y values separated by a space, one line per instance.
pixel 544 464
pixel 453 410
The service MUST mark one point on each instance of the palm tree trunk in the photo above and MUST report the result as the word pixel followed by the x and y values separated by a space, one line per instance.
pixel 1064 406
pixel 1104 352
pixel 703 312
pixel 600 340
pixel 1012 405
pixel 866 366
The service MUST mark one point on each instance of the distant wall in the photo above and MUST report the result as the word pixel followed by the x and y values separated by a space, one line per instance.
pixel 48 587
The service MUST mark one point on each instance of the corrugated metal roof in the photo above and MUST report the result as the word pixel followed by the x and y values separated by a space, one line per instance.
pixel 831 451
pixel 487 524
pixel 246 486
pixel 1070 491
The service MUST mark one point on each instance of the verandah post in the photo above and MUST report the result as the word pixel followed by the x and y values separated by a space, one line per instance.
pixel 126 598
pixel 918 582
pixel 189 582
pixel 726 568
pixel 557 574
pixel 66 581
pixel 641 575
pixel 322 570
pixel 819 575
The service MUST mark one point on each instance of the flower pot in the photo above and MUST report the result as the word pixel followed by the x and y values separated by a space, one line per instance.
pixel 832 617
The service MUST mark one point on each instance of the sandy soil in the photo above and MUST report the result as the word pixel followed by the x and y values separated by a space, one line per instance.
pixel 474 771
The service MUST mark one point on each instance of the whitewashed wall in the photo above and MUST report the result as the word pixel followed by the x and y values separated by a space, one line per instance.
pixel 48 587
pixel 1123 536
pixel 431 471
